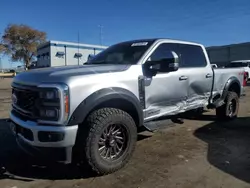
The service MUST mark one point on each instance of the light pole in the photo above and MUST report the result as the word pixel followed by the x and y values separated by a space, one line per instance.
pixel 78 40
pixel 101 27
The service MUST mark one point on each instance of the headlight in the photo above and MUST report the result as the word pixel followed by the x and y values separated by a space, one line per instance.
pixel 49 114
pixel 49 106
pixel 49 95
pixel 53 104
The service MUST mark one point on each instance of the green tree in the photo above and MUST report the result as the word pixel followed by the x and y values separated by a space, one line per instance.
pixel 20 42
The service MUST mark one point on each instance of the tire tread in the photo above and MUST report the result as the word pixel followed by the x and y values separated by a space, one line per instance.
pixel 94 123
pixel 221 112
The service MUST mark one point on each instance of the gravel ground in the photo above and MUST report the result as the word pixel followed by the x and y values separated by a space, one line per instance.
pixel 198 153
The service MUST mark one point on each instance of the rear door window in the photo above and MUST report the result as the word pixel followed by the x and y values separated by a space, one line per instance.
pixel 192 56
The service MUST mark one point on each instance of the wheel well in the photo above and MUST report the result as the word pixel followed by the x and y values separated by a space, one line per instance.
pixel 235 87
pixel 121 104
pixel 216 97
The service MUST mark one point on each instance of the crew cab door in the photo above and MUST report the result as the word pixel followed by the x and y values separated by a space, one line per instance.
pixel 199 73
pixel 165 93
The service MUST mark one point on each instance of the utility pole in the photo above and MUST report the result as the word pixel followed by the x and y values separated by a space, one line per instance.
pixel 78 40
pixel 1 68
pixel 101 27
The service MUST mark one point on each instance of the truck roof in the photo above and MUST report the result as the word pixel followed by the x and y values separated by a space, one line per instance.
pixel 164 39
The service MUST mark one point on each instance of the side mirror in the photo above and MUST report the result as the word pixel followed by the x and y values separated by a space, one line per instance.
pixel 164 64
pixel 91 56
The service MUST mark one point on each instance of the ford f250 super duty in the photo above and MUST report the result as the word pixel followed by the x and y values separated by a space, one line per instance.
pixel 91 113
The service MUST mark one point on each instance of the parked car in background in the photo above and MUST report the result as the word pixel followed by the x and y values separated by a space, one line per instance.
pixel 92 113
pixel 13 72
pixel 241 63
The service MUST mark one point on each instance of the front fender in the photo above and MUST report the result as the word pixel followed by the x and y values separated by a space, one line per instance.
pixel 100 96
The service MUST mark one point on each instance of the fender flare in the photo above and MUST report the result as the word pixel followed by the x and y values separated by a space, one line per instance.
pixel 101 96
pixel 229 83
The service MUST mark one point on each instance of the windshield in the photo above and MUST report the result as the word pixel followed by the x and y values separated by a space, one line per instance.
pixel 122 53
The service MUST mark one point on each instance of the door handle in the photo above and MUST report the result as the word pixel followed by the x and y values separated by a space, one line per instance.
pixel 208 75
pixel 183 78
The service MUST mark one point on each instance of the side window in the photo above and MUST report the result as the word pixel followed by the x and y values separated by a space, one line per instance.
pixel 164 51
pixel 192 56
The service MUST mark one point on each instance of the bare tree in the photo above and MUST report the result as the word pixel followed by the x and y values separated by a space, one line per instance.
pixel 20 42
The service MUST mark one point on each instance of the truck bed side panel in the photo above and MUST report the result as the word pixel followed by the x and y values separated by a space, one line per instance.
pixel 222 75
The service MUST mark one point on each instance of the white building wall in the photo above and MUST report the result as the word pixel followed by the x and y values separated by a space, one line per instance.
pixel 55 49
pixel 57 60
pixel 72 60
pixel 43 57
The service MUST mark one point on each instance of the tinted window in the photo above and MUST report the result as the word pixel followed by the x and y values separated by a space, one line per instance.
pixel 164 51
pixel 192 56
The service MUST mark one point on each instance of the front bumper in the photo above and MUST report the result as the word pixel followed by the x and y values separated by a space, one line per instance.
pixel 56 142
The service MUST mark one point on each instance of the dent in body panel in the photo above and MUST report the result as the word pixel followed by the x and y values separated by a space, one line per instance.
pixel 218 84
pixel 164 95
pixel 200 86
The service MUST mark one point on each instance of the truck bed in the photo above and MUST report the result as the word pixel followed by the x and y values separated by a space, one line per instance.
pixel 221 75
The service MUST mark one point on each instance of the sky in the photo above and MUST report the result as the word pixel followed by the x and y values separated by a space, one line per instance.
pixel 214 22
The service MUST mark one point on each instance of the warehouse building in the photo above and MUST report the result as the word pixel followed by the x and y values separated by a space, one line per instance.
pixel 58 53
pixel 223 55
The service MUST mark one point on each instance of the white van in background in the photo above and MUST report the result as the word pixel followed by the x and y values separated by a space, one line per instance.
pixel 241 63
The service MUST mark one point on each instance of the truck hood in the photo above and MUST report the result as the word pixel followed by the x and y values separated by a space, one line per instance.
pixel 63 73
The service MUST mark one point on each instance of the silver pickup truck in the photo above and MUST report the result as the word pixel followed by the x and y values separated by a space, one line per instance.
pixel 92 113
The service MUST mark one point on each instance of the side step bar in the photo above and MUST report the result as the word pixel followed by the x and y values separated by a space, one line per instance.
pixel 161 124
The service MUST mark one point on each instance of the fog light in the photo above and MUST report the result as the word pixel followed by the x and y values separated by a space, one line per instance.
pixel 50 136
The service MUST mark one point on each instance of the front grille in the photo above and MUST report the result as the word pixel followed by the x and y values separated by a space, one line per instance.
pixel 23 116
pixel 24 102
pixel 25 99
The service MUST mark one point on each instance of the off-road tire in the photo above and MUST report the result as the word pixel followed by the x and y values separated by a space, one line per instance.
pixel 89 135
pixel 223 112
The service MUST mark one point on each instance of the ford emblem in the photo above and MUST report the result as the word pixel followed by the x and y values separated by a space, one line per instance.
pixel 14 98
